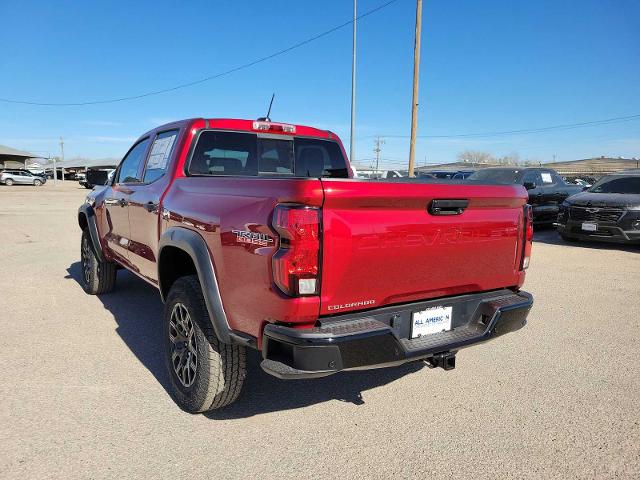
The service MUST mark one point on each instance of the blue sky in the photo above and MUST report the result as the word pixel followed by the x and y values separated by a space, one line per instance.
pixel 486 66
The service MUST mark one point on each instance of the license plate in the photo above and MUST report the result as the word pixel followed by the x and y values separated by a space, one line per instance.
pixel 430 321
pixel 590 227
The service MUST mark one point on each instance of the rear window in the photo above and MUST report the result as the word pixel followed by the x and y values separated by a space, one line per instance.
pixel 249 154
pixel 496 175
pixel 627 185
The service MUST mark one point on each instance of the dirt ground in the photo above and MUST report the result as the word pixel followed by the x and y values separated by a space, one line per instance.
pixel 83 386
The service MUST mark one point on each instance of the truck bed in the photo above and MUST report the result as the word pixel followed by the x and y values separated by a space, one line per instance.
pixel 381 245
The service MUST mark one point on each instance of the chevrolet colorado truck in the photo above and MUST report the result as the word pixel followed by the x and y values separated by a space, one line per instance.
pixel 257 236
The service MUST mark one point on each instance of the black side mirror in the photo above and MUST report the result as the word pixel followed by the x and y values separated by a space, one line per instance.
pixel 529 185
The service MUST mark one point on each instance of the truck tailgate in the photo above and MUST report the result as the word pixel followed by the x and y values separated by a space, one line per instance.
pixel 382 246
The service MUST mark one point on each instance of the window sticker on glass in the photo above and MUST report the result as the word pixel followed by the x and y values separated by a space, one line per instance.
pixel 546 177
pixel 160 152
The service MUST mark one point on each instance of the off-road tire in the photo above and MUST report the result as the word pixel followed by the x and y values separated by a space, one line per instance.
pixel 8 182
pixel 568 239
pixel 221 367
pixel 37 183
pixel 97 277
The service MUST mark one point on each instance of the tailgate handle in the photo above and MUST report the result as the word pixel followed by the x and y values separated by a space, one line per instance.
pixel 448 207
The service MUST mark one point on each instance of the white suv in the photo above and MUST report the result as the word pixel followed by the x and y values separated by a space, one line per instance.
pixel 20 177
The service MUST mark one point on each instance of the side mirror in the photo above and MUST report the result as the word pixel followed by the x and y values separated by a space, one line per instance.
pixel 530 185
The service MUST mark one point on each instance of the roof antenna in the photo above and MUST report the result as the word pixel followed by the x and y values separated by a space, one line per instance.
pixel 267 118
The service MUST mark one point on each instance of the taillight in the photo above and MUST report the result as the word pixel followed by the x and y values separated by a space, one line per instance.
pixel 274 127
pixel 527 237
pixel 296 269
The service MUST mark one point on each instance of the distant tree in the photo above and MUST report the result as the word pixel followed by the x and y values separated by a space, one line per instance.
pixel 473 156
pixel 511 159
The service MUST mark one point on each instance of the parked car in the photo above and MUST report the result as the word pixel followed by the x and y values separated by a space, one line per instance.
pixel 609 211
pixel 462 174
pixel 21 177
pixel 378 174
pixel 442 174
pixel 547 190
pixel 424 176
pixel 257 237
pixel 97 176
pixel 583 181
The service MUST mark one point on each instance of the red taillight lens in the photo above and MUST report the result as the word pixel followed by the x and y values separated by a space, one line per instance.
pixel 527 237
pixel 274 127
pixel 296 264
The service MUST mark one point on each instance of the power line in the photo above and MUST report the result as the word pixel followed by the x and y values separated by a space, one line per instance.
pixel 210 77
pixel 568 126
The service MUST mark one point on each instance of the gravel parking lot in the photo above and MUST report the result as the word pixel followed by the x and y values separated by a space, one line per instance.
pixel 82 380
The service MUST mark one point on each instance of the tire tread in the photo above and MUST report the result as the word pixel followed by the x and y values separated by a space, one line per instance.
pixel 227 363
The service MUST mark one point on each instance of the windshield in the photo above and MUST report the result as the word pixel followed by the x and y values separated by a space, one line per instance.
pixel 248 154
pixel 497 175
pixel 616 184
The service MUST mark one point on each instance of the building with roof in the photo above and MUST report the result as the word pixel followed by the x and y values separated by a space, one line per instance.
pixel 13 158
pixel 81 163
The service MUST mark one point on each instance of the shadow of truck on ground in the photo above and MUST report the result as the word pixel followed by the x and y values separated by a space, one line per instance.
pixel 137 309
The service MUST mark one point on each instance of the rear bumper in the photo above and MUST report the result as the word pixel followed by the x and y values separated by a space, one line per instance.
pixel 381 337
pixel 606 232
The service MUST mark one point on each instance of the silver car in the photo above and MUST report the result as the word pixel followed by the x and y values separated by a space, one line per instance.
pixel 20 177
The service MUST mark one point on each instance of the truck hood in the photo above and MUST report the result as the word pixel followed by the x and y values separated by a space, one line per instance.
pixel 589 199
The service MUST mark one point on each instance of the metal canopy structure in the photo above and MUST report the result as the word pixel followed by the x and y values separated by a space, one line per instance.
pixel 13 158
pixel 82 163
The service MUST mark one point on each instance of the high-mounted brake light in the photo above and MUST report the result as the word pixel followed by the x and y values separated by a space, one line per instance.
pixel 296 266
pixel 527 237
pixel 273 127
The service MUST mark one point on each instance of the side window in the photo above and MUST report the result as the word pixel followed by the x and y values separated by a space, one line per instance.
pixel 160 155
pixel 130 165
pixel 224 153
pixel 547 178
pixel 532 176
pixel 319 158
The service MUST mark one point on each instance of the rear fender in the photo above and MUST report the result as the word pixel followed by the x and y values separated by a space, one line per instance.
pixel 195 246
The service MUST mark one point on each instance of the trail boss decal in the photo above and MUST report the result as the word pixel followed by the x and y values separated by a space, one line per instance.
pixel 255 238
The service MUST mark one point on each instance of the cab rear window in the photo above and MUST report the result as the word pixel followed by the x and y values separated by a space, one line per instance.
pixel 249 154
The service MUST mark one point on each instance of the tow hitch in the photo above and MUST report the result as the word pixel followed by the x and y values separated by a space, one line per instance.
pixel 446 360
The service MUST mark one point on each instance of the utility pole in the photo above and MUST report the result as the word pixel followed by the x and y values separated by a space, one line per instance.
pixel 416 79
pixel 352 139
pixel 379 141
pixel 61 157
pixel 55 175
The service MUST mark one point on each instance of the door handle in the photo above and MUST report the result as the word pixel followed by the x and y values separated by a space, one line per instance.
pixel 448 207
pixel 116 201
pixel 150 206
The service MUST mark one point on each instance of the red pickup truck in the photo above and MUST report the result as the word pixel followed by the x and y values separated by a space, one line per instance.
pixel 257 236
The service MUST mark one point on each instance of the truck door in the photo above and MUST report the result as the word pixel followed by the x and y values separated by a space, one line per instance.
pixel 116 201
pixel 144 205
